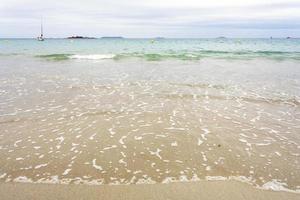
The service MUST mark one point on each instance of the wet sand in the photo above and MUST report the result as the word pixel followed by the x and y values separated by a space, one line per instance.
pixel 134 122
pixel 190 190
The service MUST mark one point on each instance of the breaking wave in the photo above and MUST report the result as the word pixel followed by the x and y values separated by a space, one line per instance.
pixel 277 55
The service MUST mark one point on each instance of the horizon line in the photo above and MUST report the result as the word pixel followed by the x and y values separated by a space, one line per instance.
pixel 121 37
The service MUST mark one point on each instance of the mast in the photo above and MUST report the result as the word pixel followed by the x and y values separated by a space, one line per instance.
pixel 41 38
pixel 41 27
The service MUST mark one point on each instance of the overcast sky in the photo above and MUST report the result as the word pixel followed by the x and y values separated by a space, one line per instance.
pixel 151 18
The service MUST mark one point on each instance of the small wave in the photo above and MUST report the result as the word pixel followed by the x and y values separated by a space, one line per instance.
pixel 270 101
pixel 197 55
pixel 11 54
pixel 60 57
pixel 193 55
pixel 55 57
pixel 93 56
pixel 200 85
pixel 159 56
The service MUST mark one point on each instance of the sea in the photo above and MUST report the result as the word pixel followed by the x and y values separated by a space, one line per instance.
pixel 145 111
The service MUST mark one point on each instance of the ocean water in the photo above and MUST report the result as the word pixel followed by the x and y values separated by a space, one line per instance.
pixel 138 111
pixel 154 49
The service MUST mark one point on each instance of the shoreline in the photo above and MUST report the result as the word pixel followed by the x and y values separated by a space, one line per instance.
pixel 175 111
pixel 273 185
pixel 184 190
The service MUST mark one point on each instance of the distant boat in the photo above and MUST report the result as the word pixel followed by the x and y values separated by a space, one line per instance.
pixel 41 37
pixel 80 37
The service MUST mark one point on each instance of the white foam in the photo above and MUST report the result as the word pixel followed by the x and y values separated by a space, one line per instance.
pixel 175 128
pixel 94 182
pixel 138 137
pixel 16 143
pixel 199 141
pixel 121 139
pixel 66 172
pixel 156 153
pixel 96 166
pixel 61 139
pixel 174 144
pixel 52 180
pixel 183 178
pixel 206 132
pixel 40 166
pixel 169 180
pixel 121 161
pixel 275 185
pixel 145 181
pixel 215 178
pixel 277 153
pixel 92 136
pixel 2 175
pixel 110 147
pixel 23 179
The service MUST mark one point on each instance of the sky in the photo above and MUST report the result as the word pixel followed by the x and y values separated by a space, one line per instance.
pixel 150 18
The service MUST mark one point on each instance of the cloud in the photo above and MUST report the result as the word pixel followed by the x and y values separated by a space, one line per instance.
pixel 165 17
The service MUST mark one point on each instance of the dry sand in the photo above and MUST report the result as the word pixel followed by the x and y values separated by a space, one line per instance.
pixel 227 190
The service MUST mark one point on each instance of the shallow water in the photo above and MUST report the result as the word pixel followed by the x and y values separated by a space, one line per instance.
pixel 131 121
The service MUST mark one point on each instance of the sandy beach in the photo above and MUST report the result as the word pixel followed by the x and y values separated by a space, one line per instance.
pixel 227 190
pixel 150 100
pixel 73 125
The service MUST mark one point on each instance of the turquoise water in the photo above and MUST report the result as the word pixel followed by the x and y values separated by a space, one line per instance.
pixel 153 49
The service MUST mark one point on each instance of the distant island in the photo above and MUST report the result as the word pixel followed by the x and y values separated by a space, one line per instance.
pixel 109 37
pixel 80 37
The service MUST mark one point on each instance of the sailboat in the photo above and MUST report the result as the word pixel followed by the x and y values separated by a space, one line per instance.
pixel 41 38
